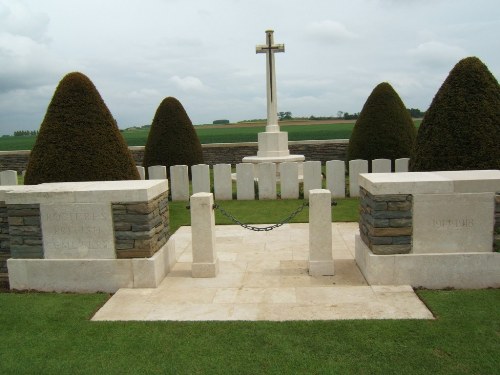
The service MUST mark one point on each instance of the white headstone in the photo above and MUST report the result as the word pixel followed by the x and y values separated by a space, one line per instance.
pixel 179 182
pixel 320 233
pixel 267 181
pixel 356 167
pixel 245 188
pixel 289 180
pixel 335 178
pixel 381 166
pixel 223 184
pixel 401 165
pixel 142 172
pixel 312 176
pixel 201 178
pixel 8 177
pixel 157 172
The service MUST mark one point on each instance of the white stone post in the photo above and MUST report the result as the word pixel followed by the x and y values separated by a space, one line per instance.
pixel 320 233
pixel 8 177
pixel 381 166
pixel 223 185
pixel 205 261
pixel 289 180
pixel 245 189
pixel 401 165
pixel 335 178
pixel 267 181
pixel 312 176
pixel 142 172
pixel 356 167
pixel 179 182
pixel 157 172
pixel 201 178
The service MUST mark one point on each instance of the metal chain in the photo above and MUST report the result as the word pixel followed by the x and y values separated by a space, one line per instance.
pixel 261 229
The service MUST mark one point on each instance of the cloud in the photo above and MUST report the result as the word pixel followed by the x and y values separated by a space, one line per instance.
pixel 437 54
pixel 16 18
pixel 330 31
pixel 189 83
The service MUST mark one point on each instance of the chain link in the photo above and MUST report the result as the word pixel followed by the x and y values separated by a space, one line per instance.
pixel 261 229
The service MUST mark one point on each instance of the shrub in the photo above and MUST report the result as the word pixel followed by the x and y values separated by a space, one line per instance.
pixel 172 139
pixel 79 139
pixel 220 122
pixel 384 128
pixel 461 128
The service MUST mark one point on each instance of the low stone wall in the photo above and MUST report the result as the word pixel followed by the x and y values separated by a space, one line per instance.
pixel 496 233
pixel 4 245
pixel 140 228
pixel 25 231
pixel 385 222
pixel 215 153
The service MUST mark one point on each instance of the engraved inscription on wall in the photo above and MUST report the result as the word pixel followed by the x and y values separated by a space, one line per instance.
pixel 77 231
pixel 451 223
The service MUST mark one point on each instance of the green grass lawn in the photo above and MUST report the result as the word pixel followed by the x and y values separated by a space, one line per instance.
pixel 48 333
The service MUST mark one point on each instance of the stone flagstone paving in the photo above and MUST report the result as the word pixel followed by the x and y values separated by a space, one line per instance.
pixel 263 276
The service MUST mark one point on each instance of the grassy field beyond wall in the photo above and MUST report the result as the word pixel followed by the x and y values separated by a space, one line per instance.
pixel 232 133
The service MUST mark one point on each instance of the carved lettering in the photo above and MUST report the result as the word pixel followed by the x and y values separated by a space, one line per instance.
pixel 456 223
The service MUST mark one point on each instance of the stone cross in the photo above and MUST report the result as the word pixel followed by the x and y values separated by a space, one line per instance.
pixel 272 107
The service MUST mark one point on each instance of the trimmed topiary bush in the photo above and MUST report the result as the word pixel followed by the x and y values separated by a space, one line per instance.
pixel 461 128
pixel 172 139
pixel 79 139
pixel 384 129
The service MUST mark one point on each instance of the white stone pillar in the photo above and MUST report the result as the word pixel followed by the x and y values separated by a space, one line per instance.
pixel 8 177
pixel 356 167
pixel 205 261
pixel 381 166
pixel 335 178
pixel 245 189
pixel 401 165
pixel 142 172
pixel 179 182
pixel 289 180
pixel 267 181
pixel 157 172
pixel 312 176
pixel 223 184
pixel 201 178
pixel 320 233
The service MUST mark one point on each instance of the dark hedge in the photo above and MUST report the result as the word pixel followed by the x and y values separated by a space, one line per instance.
pixel 384 129
pixel 172 139
pixel 461 129
pixel 79 139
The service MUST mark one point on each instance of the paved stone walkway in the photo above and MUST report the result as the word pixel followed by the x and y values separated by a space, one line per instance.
pixel 263 276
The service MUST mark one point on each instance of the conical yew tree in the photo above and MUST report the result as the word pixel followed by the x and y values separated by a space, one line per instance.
pixel 461 128
pixel 79 139
pixel 172 139
pixel 384 129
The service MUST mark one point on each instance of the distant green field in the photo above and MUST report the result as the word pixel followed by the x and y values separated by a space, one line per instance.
pixel 216 135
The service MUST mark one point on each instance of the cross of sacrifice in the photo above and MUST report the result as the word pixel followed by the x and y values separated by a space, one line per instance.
pixel 272 108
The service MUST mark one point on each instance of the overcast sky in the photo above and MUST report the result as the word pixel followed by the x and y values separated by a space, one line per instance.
pixel 137 52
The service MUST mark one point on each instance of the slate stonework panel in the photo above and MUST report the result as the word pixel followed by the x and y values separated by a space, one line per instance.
pixel 496 233
pixel 385 222
pixel 140 228
pixel 25 232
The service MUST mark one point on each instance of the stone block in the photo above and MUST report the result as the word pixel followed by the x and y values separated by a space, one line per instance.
pixel 401 165
pixel 142 172
pixel 8 178
pixel 157 172
pixel 390 249
pixel 320 233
